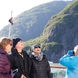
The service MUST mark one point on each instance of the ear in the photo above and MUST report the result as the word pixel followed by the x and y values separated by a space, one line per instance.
pixel 77 54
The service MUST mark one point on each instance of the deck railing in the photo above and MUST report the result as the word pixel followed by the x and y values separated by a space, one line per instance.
pixel 58 71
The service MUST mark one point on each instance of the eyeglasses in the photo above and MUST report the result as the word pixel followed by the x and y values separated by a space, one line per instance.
pixel 37 47
pixel 10 44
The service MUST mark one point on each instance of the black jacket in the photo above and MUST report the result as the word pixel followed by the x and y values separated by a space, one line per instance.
pixel 40 69
pixel 22 64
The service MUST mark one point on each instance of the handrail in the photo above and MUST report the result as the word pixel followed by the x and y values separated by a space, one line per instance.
pixel 58 67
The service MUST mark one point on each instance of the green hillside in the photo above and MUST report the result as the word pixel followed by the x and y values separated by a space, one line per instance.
pixel 60 33
pixel 30 24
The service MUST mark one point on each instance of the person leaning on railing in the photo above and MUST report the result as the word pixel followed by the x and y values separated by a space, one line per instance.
pixel 70 60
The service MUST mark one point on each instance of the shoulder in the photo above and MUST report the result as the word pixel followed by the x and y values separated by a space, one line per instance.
pixel 3 56
pixel 25 52
pixel 12 57
pixel 26 55
pixel 30 55
pixel 3 59
pixel 44 56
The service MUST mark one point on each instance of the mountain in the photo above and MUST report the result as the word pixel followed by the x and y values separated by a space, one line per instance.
pixel 60 33
pixel 30 24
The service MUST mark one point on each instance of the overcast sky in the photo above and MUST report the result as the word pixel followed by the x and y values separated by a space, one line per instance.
pixel 17 6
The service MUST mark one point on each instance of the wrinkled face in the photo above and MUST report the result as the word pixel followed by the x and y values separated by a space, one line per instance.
pixel 37 50
pixel 20 45
pixel 76 53
pixel 8 47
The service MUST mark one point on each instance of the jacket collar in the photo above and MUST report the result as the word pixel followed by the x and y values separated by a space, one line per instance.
pixel 15 52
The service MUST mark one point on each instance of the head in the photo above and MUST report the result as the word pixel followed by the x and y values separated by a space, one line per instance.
pixel 18 44
pixel 37 49
pixel 6 44
pixel 76 50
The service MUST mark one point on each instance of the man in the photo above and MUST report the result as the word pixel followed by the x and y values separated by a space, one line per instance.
pixel 20 61
pixel 71 62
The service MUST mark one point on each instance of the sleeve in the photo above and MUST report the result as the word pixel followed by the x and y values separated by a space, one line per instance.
pixel 68 61
pixel 4 64
pixel 29 61
pixel 48 68
pixel 48 71
pixel 12 62
pixel 19 72
pixel 16 70
pixel 17 75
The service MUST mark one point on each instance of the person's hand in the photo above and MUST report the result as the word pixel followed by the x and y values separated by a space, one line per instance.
pixel 70 52
pixel 22 76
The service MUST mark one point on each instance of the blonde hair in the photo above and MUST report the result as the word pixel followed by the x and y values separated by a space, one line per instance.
pixel 4 42
pixel 76 49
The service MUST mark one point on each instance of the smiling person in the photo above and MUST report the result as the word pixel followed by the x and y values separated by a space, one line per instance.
pixel 40 65
pixel 20 61
pixel 5 48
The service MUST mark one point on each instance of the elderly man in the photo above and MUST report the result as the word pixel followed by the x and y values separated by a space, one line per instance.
pixel 71 62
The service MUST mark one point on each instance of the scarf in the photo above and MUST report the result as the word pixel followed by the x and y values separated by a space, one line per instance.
pixel 38 57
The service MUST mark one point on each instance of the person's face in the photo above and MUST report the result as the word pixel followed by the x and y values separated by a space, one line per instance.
pixel 8 47
pixel 76 53
pixel 37 50
pixel 20 45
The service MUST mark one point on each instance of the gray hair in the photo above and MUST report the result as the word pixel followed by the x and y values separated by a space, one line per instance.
pixel 76 49
pixel 35 45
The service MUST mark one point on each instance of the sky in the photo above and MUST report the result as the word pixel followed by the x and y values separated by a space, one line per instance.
pixel 16 7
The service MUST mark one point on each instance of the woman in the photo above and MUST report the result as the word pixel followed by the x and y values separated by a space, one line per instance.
pixel 40 66
pixel 5 48
pixel 19 59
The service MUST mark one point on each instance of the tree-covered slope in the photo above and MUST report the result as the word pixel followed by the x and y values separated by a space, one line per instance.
pixel 60 33
pixel 30 24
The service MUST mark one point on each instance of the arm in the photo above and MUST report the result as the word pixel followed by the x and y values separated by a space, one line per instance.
pixel 4 64
pixel 69 61
pixel 29 63
pixel 11 58
pixel 15 70
pixel 48 68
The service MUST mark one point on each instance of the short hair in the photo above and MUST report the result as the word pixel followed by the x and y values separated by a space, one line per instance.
pixel 35 46
pixel 4 42
pixel 76 49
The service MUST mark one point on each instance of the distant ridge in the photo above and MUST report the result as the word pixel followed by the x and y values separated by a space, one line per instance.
pixel 60 33
pixel 30 24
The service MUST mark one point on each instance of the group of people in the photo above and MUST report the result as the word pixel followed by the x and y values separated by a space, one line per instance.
pixel 16 63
